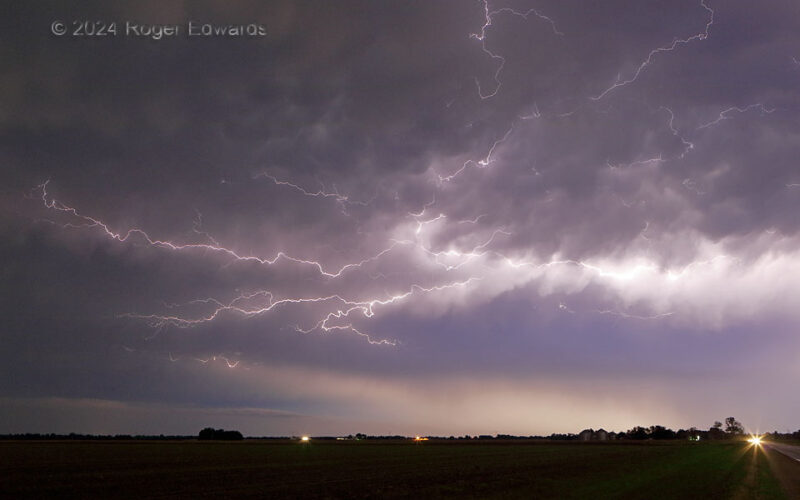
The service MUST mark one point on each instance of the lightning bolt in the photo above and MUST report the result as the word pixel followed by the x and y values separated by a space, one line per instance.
pixel 320 193
pixel 243 304
pixel 687 145
pixel 625 315
pixel 90 222
pixel 613 312
pixel 338 309
pixel 534 114
pixel 723 115
pixel 482 163
pixel 467 256
pixel 197 226
pixel 656 160
pixel 481 37
pixel 666 48
pixel 346 307
pixel 473 221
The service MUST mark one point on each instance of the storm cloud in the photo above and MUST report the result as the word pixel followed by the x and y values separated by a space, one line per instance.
pixel 401 217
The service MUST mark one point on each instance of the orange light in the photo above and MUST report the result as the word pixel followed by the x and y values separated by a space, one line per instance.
pixel 418 438
pixel 754 440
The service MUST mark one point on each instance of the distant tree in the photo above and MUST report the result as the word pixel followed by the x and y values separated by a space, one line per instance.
pixel 661 432
pixel 692 433
pixel 209 433
pixel 638 432
pixel 563 437
pixel 733 427
pixel 233 435
pixel 716 432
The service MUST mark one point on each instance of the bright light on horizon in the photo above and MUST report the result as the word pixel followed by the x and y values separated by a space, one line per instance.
pixel 755 440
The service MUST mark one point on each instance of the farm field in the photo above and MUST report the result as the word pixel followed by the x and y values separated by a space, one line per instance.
pixel 380 469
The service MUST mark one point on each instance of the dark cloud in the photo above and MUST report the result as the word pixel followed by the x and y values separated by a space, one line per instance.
pixel 379 201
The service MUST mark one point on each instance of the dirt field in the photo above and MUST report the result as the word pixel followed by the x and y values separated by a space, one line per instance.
pixel 786 470
pixel 379 469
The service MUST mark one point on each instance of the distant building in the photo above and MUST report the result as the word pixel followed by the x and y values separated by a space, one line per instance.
pixel 595 435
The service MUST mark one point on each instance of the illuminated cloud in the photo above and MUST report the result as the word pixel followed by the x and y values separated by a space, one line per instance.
pixel 380 204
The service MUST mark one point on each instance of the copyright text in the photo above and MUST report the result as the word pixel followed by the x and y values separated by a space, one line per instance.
pixel 155 31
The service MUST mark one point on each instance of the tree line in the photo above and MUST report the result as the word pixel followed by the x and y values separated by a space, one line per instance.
pixel 730 429
pixel 211 434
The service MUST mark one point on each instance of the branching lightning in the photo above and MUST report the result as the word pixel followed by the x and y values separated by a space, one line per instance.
pixel 723 115
pixel 320 193
pixel 482 163
pixel 454 265
pixel 261 302
pixel 481 37
pixel 90 222
pixel 337 308
pixel 687 145
pixel 666 48
pixel 241 305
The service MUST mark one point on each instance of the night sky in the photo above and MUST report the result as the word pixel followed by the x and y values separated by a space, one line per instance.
pixel 396 217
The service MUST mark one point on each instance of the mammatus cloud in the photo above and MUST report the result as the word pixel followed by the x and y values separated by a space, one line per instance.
pixel 507 187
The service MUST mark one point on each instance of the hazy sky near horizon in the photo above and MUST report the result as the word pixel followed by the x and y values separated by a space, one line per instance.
pixel 440 217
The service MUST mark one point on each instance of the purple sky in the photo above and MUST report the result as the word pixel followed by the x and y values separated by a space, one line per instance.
pixel 401 217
